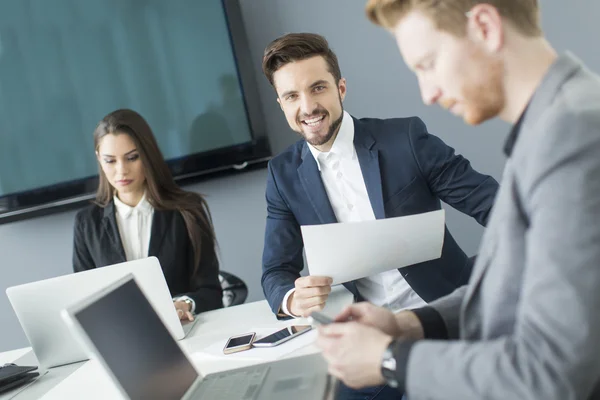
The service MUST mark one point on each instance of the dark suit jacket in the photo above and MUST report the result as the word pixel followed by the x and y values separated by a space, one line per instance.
pixel 97 243
pixel 406 171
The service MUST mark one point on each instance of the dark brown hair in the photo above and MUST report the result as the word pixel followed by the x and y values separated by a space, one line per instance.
pixel 297 47
pixel 450 15
pixel 161 190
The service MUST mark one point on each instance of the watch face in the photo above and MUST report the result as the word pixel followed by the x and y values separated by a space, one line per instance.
pixel 389 363
pixel 388 368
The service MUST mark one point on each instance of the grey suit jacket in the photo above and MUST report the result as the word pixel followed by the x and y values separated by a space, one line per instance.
pixel 527 326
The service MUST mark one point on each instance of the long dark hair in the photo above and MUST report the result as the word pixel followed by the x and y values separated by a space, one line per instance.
pixel 161 190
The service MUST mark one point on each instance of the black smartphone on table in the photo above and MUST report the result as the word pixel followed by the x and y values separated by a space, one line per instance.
pixel 282 336
pixel 13 376
pixel 239 343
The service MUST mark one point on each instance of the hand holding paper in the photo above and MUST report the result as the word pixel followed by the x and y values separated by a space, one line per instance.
pixel 349 251
pixel 310 295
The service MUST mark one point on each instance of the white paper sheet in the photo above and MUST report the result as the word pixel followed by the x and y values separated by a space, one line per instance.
pixel 348 251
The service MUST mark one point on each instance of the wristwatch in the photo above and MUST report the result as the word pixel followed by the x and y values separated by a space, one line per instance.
pixel 188 301
pixel 388 366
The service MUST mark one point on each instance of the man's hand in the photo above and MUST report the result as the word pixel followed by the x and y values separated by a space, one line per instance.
pixel 310 295
pixel 354 352
pixel 404 324
pixel 183 310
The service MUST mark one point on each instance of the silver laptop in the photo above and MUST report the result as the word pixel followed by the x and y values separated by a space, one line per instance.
pixel 38 306
pixel 123 332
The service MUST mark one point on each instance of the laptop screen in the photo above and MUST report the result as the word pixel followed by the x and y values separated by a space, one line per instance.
pixel 136 346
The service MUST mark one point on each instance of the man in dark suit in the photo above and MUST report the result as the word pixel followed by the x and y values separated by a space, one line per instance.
pixel 348 169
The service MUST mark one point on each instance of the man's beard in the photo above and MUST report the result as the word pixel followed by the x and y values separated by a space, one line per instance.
pixel 318 140
pixel 485 99
pixel 333 128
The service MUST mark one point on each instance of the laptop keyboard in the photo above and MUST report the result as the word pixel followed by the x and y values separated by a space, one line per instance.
pixel 243 385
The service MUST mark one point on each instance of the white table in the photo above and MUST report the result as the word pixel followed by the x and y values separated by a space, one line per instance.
pixel 11 356
pixel 87 380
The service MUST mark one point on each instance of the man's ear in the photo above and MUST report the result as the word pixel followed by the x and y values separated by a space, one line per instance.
pixel 342 88
pixel 280 105
pixel 486 27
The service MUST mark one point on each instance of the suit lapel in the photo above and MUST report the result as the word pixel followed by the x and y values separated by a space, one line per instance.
pixel 310 177
pixel 160 222
pixel 109 223
pixel 368 158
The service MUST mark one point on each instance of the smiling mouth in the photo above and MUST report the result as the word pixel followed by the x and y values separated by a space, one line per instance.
pixel 313 122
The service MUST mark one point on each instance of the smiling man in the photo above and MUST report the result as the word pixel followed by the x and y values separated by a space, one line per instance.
pixel 346 169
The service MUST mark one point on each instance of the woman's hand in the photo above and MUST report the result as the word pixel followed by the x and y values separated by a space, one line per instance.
pixel 183 311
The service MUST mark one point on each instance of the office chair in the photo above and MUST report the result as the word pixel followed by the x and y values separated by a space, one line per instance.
pixel 235 290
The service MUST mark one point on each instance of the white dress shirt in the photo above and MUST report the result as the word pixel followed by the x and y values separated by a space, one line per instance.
pixel 135 225
pixel 347 193
pixel 135 228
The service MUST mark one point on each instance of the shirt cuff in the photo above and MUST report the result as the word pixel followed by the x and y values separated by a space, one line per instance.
pixel 183 298
pixel 284 308
pixel 432 322
pixel 401 351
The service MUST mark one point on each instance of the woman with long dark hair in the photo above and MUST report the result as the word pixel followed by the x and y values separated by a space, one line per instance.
pixel 140 211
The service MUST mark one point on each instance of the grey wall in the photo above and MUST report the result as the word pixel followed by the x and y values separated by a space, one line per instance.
pixel 379 86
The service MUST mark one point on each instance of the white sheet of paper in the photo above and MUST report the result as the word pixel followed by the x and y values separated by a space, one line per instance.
pixel 349 251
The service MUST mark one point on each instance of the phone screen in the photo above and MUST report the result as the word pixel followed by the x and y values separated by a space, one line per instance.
pixel 239 341
pixel 284 333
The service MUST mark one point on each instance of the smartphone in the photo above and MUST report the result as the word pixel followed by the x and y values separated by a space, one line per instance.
pixel 320 318
pixel 239 343
pixel 282 336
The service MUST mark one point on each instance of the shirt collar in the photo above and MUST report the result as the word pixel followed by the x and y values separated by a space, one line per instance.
pixel 509 145
pixel 343 145
pixel 143 207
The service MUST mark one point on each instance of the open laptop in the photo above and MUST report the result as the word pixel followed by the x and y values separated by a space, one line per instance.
pixel 38 306
pixel 124 334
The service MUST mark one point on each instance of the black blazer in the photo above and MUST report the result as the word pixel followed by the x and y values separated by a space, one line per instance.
pixel 97 243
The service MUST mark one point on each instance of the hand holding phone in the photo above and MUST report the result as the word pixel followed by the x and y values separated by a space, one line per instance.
pixel 239 343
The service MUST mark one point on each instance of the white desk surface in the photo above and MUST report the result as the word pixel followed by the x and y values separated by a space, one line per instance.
pixel 11 356
pixel 87 380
